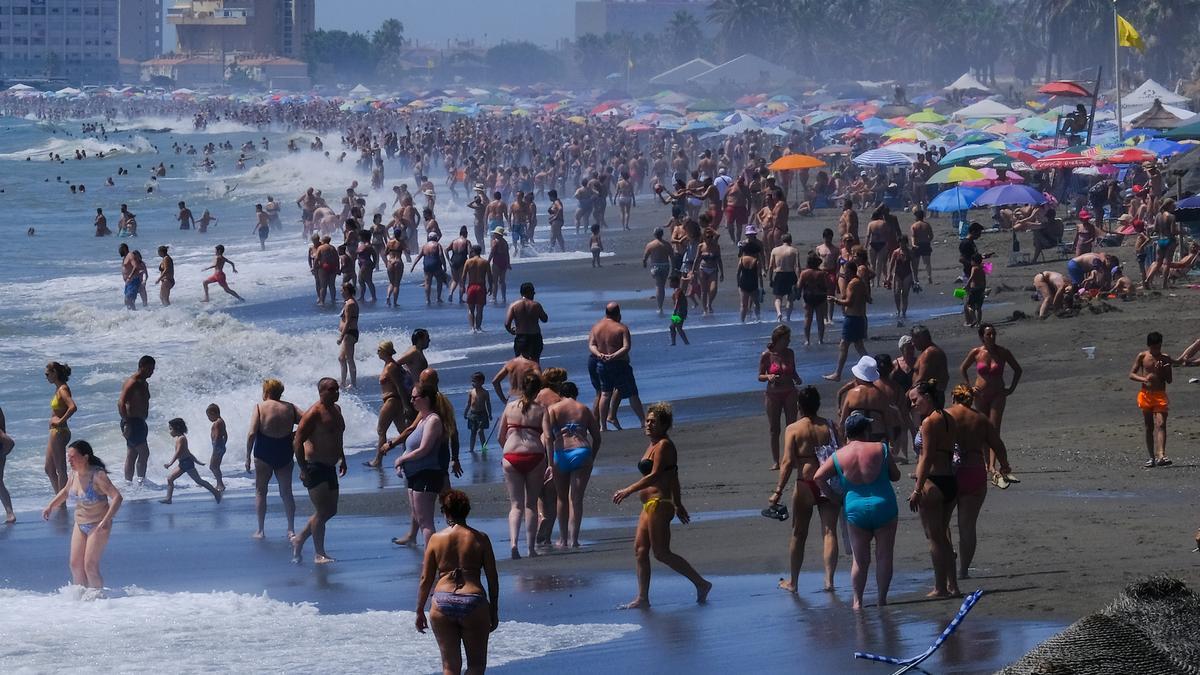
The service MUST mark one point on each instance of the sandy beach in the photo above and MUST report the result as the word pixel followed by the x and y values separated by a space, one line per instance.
pixel 1085 520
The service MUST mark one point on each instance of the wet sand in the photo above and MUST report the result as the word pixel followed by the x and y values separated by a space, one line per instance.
pixel 1085 520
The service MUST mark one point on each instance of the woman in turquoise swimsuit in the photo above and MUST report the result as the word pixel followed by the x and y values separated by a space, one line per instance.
pixel 575 438
pixel 866 471
pixel 96 502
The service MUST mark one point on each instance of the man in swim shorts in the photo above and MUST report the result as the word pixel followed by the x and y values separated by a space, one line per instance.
pixel 496 211
pixel 1152 368
pixel 783 273
pixel 609 343
pixel 322 459
pixel 523 321
pixel 133 405
pixel 477 276
pixel 854 319
pixel 658 254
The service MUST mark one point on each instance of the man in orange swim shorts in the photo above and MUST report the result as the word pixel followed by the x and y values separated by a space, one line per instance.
pixel 477 276
pixel 1152 368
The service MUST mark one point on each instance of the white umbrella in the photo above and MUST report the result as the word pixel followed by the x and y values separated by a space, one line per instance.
pixel 20 87
pixel 881 156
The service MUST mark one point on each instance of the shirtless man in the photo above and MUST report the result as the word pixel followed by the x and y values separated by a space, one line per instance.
pixel 325 261
pixel 658 255
pixel 854 319
pixel 866 395
pixel 218 276
pixel 931 360
pixel 308 206
pixel 129 276
pixel 523 322
pixel 737 207
pixel 322 459
pixel 348 336
pixel 477 277
pixel 921 235
pixel 272 209
pixel 184 217
pixel 848 221
pixel 514 371
pixel 457 252
pixel 609 343
pixel 1152 368
pixel 782 273
pixel 133 405
pixel 479 206
pixel 1054 291
pixel 829 254
pixel 101 223
pixel 501 262
pixel 495 212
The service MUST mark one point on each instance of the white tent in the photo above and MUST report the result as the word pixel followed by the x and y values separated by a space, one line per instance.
pixel 184 91
pixel 20 87
pixel 360 90
pixel 1144 96
pixel 989 108
pixel 681 73
pixel 746 69
pixel 68 91
pixel 968 83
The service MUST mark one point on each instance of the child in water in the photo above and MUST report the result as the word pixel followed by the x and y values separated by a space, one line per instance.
pixel 187 462
pixel 679 311
pixel 220 436
pixel 478 412
pixel 596 245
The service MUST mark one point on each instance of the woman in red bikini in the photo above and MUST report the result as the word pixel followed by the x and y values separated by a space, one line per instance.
pixel 808 443
pixel 524 460
pixel 977 442
pixel 990 393
pixel 777 367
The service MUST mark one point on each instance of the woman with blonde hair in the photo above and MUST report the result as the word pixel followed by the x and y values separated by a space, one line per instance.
pixel 62 407
pixel 269 442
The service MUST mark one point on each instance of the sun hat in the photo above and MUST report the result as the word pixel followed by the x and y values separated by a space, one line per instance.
pixel 750 231
pixel 499 231
pixel 904 340
pixel 866 369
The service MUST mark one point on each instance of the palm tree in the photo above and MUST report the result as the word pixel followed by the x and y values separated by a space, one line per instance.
pixel 683 36
pixel 741 24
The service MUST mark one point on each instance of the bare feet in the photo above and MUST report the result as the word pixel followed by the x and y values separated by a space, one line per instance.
pixel 787 586
pixel 217 495
pixel 12 518
pixel 258 535
pixel 638 603
pixel 403 541
pixel 516 555
pixel 702 592
pixel 936 594
pixel 775 466
pixel 323 560
pixel 828 588
pixel 832 377
pixel 164 501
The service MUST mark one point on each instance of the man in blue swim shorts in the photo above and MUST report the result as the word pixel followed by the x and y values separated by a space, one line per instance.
pixel 134 407
pixel 854 318
pixel 609 343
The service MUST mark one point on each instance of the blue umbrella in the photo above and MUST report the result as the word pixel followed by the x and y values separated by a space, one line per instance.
pixel 1003 195
pixel 843 122
pixel 1189 203
pixel 881 156
pixel 955 199
pixel 1163 147
pixel 965 152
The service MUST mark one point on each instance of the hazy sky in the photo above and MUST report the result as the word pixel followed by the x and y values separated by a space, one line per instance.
pixel 430 21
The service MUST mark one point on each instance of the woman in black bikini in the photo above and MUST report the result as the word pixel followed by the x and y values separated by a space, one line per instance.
pixel 814 289
pixel 461 617
pixel 808 443
pixel 272 424
pixel 661 502
pixel 749 276
pixel 937 486
pixel 712 270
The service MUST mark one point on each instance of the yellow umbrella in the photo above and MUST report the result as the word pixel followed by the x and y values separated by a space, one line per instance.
pixel 576 119
pixel 955 174
pixel 910 134
pixel 795 161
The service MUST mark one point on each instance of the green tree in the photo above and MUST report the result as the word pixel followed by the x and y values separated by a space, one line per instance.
pixel 522 63
pixel 683 38
pixel 348 55
pixel 594 57
pixel 389 37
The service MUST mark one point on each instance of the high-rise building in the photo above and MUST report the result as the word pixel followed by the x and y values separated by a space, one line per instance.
pixel 78 39
pixel 275 27
pixel 634 16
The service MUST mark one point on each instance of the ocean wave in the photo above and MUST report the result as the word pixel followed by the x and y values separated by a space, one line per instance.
pixel 153 632
pixel 66 147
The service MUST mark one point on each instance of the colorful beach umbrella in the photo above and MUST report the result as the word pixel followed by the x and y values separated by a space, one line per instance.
pixel 955 199
pixel 966 152
pixel 1005 195
pixel 926 115
pixel 796 161
pixel 882 156
pixel 955 174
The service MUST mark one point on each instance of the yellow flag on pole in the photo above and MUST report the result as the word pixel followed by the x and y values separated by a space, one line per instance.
pixel 1127 35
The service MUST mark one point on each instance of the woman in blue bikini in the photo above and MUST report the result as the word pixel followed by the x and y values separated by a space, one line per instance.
pixel 96 502
pixel 461 616
pixel 866 471
pixel 575 438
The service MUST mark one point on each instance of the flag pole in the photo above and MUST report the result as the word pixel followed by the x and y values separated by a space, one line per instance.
pixel 1117 68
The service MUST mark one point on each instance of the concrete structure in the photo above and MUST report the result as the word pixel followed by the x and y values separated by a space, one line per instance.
pixel 275 27
pixel 203 71
pixel 635 16
pixel 76 39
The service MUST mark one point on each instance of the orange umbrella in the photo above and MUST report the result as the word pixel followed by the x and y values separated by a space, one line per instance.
pixel 797 161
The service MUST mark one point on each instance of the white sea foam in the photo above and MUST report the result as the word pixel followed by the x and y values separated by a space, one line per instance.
pixel 66 147
pixel 148 632
pixel 185 125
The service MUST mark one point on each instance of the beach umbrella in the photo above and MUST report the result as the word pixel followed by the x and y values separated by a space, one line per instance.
pixel 795 161
pixel 905 147
pixel 909 134
pixel 1163 147
pixel 955 199
pixel 955 174
pixel 882 156
pixel 1004 195
pixel 977 137
pixel 966 152
pixel 1065 88
pixel 1063 160
pixel 1036 125
pixel 843 122
pixel 1131 156
pixel 926 115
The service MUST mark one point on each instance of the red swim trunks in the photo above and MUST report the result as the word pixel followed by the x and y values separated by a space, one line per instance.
pixel 476 294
